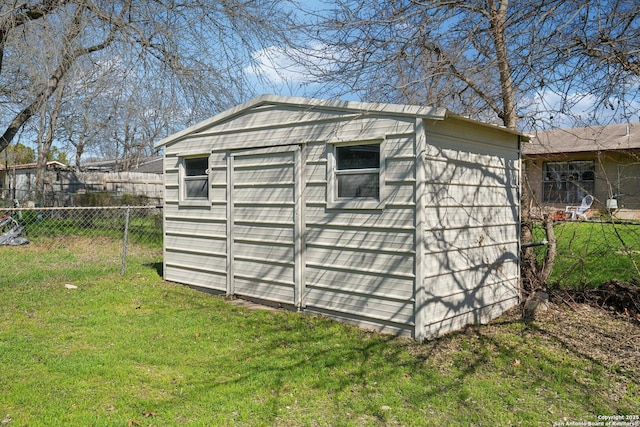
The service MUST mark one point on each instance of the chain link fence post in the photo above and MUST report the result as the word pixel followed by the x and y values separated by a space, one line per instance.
pixel 124 240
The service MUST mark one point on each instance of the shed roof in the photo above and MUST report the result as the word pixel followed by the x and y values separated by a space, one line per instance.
pixel 312 103
pixel 585 139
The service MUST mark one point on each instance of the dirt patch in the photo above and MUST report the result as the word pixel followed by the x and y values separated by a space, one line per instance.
pixel 605 337
pixel 253 305
pixel 611 339
pixel 614 296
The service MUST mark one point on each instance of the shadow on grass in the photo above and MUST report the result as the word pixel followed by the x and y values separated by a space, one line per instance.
pixel 473 369
pixel 157 266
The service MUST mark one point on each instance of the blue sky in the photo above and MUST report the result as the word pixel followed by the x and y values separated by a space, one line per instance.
pixel 279 75
pixel 276 73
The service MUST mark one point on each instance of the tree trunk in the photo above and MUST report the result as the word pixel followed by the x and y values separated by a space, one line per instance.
pixel 44 145
pixel 550 255
pixel 534 272
pixel 498 13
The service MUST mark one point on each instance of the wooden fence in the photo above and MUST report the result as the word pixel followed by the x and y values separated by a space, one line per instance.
pixel 62 187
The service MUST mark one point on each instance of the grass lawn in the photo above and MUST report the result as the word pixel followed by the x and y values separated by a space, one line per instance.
pixel 135 350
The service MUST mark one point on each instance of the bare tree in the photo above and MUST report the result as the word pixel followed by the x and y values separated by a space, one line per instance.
pixel 83 125
pixel 475 57
pixel 70 52
pixel 194 51
pixel 493 60
pixel 601 48
pixel 114 118
pixel 46 134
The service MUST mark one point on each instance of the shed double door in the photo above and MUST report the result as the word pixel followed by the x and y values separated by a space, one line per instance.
pixel 265 218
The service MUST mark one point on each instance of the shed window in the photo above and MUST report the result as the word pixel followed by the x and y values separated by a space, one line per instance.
pixel 356 175
pixel 195 178
pixel 568 182
pixel 358 171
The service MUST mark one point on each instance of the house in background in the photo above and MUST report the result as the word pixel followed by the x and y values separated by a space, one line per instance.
pixel 143 165
pixel 399 218
pixel 563 165
pixel 19 181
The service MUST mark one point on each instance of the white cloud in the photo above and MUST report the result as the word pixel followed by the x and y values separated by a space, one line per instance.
pixel 276 66
pixel 297 70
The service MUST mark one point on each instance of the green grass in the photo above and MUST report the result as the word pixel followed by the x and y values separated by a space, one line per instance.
pixel 65 258
pixel 119 347
pixel 592 253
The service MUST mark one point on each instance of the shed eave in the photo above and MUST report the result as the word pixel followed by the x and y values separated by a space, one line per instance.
pixel 523 137
pixel 426 112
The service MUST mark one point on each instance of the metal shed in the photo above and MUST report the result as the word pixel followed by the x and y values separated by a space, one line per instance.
pixel 399 218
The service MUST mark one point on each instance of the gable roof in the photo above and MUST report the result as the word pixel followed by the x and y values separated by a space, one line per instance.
pixel 417 111
pixel 585 139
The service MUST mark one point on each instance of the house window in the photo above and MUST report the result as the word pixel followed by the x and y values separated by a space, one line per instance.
pixel 567 182
pixel 356 175
pixel 195 178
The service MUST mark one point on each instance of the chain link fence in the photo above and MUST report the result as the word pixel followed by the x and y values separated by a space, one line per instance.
pixel 122 233
pixel 589 253
pixel 592 253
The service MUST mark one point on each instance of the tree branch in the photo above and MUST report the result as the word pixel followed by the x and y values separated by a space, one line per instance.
pixel 67 61
pixel 23 14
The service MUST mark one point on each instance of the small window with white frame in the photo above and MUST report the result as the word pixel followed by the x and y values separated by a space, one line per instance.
pixel 195 179
pixel 356 175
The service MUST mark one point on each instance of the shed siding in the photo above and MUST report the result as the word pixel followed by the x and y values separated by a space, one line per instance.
pixel 471 236
pixel 281 132
pixel 360 263
pixel 195 237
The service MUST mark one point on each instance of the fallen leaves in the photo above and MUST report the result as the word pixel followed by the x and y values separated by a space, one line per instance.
pixel 134 422
pixel 148 414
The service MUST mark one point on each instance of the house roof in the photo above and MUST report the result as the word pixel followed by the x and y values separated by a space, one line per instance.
pixel 153 165
pixel 586 139
pixel 51 164
pixel 145 165
pixel 432 113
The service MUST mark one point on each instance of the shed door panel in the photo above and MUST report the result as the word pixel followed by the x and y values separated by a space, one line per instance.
pixel 263 203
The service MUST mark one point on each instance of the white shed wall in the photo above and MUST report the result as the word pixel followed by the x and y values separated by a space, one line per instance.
pixel 358 264
pixel 471 225
pixel 195 247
